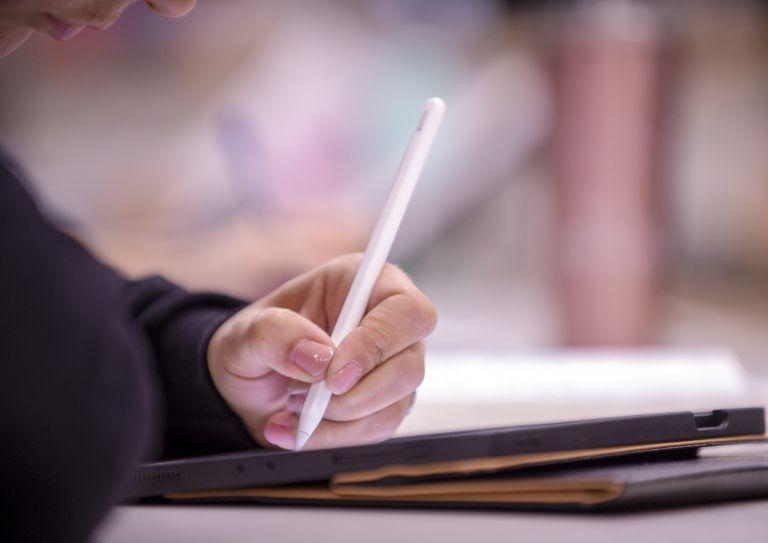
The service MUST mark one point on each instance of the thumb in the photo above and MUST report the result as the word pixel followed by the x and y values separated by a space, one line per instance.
pixel 257 340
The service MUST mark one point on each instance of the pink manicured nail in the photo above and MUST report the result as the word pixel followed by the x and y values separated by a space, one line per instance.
pixel 311 356
pixel 296 402
pixel 279 435
pixel 343 379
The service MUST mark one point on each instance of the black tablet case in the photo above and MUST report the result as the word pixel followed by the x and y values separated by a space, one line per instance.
pixel 591 469
pixel 647 480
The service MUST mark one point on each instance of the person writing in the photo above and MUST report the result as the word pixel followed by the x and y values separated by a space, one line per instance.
pixel 101 371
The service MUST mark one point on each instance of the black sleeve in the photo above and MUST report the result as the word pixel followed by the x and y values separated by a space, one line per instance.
pixel 179 326
pixel 97 371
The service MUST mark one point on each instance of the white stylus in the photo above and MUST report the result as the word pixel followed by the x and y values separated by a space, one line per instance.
pixel 375 255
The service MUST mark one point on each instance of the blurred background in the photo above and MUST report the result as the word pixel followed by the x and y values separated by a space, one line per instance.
pixel 601 178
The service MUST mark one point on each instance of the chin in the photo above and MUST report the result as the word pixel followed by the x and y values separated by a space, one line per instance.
pixel 12 39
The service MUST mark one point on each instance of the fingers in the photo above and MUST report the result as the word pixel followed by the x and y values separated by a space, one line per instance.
pixel 260 340
pixel 385 385
pixel 280 429
pixel 371 411
pixel 399 316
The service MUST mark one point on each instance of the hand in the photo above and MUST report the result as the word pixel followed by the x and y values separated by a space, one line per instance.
pixel 264 358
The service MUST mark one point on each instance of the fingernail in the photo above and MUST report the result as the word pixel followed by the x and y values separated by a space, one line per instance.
pixel 279 435
pixel 311 356
pixel 343 379
pixel 295 402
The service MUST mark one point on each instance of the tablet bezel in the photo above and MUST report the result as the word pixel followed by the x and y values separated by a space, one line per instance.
pixel 278 467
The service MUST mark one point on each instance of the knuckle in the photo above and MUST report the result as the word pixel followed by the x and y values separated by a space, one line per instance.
pixel 397 278
pixel 335 271
pixel 374 340
pixel 258 323
pixel 347 260
pixel 268 334
pixel 356 257
pixel 267 322
pixel 395 270
pixel 253 330
pixel 276 317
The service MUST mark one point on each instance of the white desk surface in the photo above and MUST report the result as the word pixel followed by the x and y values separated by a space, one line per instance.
pixel 732 522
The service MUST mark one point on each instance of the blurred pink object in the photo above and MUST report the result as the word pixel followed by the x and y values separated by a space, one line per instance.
pixel 607 77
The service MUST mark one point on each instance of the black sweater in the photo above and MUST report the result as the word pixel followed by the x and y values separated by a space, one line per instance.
pixel 98 372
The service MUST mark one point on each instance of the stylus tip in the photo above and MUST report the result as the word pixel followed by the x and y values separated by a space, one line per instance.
pixel 301 440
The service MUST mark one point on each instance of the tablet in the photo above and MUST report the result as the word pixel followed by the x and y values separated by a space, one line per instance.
pixel 255 468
